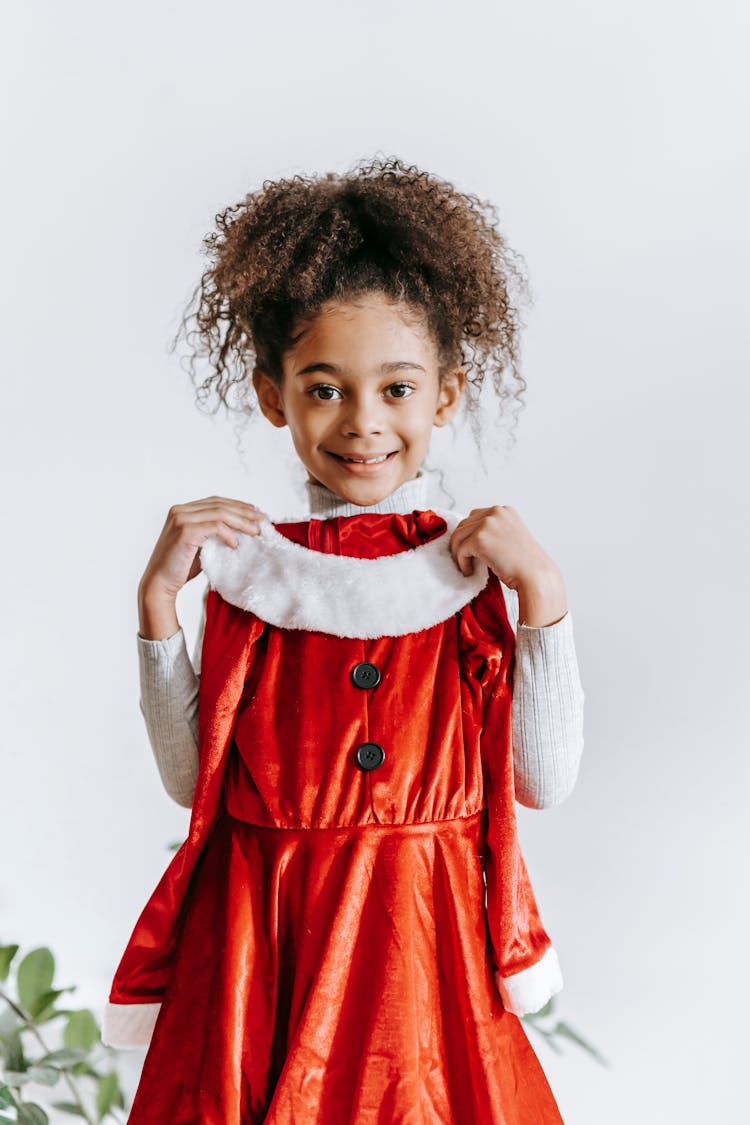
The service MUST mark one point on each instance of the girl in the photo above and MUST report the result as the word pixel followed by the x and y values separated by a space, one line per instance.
pixel 349 933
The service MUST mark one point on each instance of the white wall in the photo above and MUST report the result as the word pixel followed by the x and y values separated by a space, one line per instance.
pixel 613 138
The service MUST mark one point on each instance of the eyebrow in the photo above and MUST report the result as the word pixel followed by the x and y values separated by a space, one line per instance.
pixel 334 369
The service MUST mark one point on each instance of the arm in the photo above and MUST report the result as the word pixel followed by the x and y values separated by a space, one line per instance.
pixel 169 704
pixel 547 710
pixel 169 683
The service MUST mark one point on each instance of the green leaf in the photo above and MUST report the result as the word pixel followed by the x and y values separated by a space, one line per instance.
pixel 64 1011
pixel 14 1056
pixel 6 1098
pixel 16 1077
pixel 108 1094
pixel 35 975
pixel 31 1114
pixel 547 1010
pixel 84 1067
pixel 69 1107
pixel 568 1033
pixel 7 953
pixel 43 1008
pixel 81 1030
pixel 9 1024
pixel 44 1075
pixel 175 845
pixel 66 1056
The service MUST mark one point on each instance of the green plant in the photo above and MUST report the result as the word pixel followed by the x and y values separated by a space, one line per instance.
pixel 83 1065
pixel 553 1033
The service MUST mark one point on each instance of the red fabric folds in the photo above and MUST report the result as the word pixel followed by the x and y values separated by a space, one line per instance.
pixel 322 945
pixel 366 536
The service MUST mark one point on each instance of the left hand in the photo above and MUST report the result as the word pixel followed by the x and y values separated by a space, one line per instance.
pixel 498 537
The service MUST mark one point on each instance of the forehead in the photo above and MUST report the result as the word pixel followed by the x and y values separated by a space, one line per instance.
pixel 366 328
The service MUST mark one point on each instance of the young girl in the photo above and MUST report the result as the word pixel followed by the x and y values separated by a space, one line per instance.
pixel 349 933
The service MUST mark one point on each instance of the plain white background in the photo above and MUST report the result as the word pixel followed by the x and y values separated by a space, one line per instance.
pixel 613 139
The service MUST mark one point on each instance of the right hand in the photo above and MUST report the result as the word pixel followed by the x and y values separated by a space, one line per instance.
pixel 175 558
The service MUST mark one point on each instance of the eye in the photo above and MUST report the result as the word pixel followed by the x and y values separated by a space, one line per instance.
pixel 325 387
pixel 404 389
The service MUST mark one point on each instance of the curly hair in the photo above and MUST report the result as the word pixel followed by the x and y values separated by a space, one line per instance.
pixel 278 255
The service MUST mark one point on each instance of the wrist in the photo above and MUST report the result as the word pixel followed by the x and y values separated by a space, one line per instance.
pixel 157 612
pixel 542 599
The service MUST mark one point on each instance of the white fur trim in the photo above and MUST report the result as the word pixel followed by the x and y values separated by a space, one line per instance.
pixel 529 990
pixel 295 587
pixel 128 1025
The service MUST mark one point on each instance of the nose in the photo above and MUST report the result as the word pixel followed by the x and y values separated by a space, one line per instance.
pixel 363 414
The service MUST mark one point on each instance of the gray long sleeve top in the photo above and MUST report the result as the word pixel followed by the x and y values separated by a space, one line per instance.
pixel 547 708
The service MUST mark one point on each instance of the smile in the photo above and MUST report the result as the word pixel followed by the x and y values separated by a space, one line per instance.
pixel 364 466
pixel 377 460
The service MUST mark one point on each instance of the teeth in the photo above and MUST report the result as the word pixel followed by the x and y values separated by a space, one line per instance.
pixel 371 461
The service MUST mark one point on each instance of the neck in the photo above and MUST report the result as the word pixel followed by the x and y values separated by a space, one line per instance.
pixel 408 497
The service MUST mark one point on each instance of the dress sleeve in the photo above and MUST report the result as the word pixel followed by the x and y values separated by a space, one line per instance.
pixel 170 686
pixel 525 964
pixel 547 709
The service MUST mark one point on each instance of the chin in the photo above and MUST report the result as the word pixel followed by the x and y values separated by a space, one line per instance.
pixel 363 495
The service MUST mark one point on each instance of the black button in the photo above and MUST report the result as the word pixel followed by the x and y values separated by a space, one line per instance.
pixel 365 675
pixel 370 755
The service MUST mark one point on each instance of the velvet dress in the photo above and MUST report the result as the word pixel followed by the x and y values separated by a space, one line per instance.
pixel 349 933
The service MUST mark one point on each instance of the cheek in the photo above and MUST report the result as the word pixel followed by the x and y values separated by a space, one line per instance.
pixel 421 417
pixel 310 423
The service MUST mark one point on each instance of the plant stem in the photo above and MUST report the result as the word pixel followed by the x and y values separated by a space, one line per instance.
pixel 32 1027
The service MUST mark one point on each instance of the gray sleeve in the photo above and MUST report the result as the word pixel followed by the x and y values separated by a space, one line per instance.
pixel 547 710
pixel 169 704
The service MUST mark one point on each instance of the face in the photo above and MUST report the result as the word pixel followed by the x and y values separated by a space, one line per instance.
pixel 360 394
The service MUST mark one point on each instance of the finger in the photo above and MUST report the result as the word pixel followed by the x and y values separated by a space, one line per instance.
pixel 460 547
pixel 220 530
pixel 463 532
pixel 218 504
pixel 249 526
pixel 243 519
pixel 465 559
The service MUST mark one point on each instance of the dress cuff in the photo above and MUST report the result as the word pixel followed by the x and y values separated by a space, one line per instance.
pixel 530 989
pixel 128 1025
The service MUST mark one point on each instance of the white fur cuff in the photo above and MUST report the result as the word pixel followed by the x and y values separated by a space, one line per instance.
pixel 128 1025
pixel 529 990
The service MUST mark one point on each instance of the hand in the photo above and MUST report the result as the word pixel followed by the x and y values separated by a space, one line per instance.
pixel 498 537
pixel 175 559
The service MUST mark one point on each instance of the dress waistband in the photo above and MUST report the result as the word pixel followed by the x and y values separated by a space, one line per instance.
pixel 458 825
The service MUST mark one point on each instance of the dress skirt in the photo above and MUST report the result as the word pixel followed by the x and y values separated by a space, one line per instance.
pixel 338 975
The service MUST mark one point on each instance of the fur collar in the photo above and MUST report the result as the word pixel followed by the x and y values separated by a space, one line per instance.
pixel 295 587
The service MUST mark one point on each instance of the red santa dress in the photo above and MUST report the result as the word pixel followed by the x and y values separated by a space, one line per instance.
pixel 349 933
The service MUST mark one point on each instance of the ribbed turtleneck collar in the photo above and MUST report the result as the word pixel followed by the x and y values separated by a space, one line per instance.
pixel 325 504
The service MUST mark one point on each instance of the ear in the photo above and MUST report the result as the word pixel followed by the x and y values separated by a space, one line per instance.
pixel 449 397
pixel 269 397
